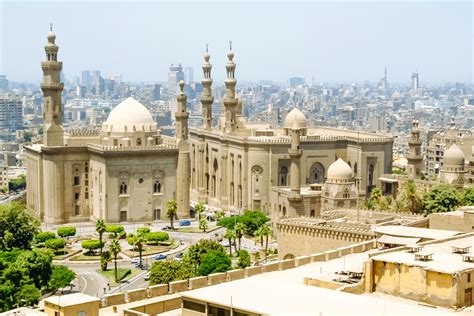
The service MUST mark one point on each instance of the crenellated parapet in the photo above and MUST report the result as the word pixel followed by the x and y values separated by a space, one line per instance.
pixel 78 132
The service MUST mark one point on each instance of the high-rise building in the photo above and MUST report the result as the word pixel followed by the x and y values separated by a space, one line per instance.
pixel 11 113
pixel 296 81
pixel 175 75
pixel 156 92
pixel 86 79
pixel 95 77
pixel 3 83
pixel 116 77
pixel 188 75
pixel 415 81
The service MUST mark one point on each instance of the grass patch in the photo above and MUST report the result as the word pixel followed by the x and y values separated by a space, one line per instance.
pixel 195 229
pixel 89 257
pixel 122 274
pixel 150 250
pixel 61 255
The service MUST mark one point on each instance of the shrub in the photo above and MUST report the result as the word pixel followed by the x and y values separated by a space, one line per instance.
pixel 55 243
pixel 122 273
pixel 91 245
pixel 114 229
pixel 66 231
pixel 156 237
pixel 244 259
pixel 122 234
pixel 213 262
pixel 43 236
pixel 143 230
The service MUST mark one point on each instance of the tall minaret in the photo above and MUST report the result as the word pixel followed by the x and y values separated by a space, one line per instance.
pixel 415 159
pixel 229 100
pixel 295 155
pixel 183 173
pixel 206 98
pixel 52 88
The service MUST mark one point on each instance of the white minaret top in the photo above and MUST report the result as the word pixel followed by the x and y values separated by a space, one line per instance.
pixel 206 98
pixel 230 102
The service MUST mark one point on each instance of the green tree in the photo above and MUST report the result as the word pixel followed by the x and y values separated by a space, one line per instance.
pixel 468 196
pixel 267 232
pixel 17 227
pixel 37 264
pixel 92 245
pixel 165 271
pixel 200 249
pixel 251 219
pixel 203 224
pixel 375 194
pixel 17 183
pixel 231 236
pixel 115 230
pixel 61 277
pixel 411 197
pixel 199 208
pixel 140 242
pixel 41 237
pixel 397 206
pixel 115 249
pixel 171 211
pixel 100 228
pixel 244 259
pixel 369 204
pixel 67 231
pixel 55 244
pixel 239 231
pixel 441 198
pixel 213 262
pixel 259 234
pixel 143 230
pixel 105 258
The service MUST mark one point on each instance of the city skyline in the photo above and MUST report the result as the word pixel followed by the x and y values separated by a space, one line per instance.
pixel 313 42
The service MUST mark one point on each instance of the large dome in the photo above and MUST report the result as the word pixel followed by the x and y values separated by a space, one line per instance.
pixel 295 119
pixel 129 116
pixel 339 170
pixel 453 156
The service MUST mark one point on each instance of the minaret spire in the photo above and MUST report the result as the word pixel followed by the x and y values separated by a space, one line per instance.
pixel 206 98
pixel 52 88
pixel 230 101
pixel 183 173
pixel 414 157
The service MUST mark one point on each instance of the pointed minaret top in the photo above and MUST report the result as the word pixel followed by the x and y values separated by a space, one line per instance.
pixel 181 86
pixel 230 54
pixel 51 35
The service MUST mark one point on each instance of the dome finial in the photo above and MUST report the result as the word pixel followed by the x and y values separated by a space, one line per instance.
pixel 230 45
pixel 51 26
pixel 181 86
pixel 207 47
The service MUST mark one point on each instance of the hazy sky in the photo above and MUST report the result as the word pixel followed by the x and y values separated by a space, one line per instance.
pixel 275 40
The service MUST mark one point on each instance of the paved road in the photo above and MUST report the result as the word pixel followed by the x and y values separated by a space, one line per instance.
pixel 12 197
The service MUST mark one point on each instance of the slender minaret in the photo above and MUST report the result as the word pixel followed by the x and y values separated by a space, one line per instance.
pixel 230 101
pixel 295 155
pixel 52 88
pixel 414 157
pixel 206 98
pixel 183 169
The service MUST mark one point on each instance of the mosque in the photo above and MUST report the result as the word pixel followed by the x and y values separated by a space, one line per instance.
pixel 127 170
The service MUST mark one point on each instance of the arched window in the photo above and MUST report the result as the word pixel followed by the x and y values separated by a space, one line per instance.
pixel 346 193
pixel 123 187
pixel 355 168
pixel 283 176
pixel 139 141
pixel 316 173
pixel 157 186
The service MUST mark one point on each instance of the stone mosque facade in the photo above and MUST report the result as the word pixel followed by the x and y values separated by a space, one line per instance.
pixel 127 170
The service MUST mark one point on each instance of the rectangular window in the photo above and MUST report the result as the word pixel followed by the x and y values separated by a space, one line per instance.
pixel 77 210
pixel 468 277
pixel 77 180
pixel 201 308
pixel 86 195
pixel 76 196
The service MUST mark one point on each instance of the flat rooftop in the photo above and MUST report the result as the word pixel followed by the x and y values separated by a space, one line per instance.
pixel 71 299
pixel 406 231
pixel 443 260
pixel 284 293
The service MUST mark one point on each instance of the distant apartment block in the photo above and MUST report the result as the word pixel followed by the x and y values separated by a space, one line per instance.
pixel 11 113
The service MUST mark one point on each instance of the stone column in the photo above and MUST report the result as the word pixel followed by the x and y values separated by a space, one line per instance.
pixel 53 182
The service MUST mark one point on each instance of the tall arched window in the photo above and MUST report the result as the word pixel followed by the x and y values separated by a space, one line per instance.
pixel 283 176
pixel 139 141
pixel 316 173
pixel 346 193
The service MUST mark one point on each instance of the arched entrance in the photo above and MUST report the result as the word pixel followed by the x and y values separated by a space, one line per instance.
pixel 316 173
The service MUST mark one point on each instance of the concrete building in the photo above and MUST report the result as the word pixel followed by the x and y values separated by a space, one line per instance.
pixel 126 171
pixel 415 82
pixel 175 75
pixel 461 220
pixel 11 113
pixel 73 304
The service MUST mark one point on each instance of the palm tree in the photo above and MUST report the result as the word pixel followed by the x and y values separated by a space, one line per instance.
pixel 267 231
pixel 259 234
pixel 239 231
pixel 139 242
pixel 230 235
pixel 115 250
pixel 411 196
pixel 203 224
pixel 397 206
pixel 100 227
pixel 172 209
pixel 199 208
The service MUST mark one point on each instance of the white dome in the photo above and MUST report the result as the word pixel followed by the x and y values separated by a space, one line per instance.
pixel 339 170
pixel 295 119
pixel 453 156
pixel 129 116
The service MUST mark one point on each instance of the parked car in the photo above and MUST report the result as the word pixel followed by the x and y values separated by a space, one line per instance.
pixel 179 255
pixel 136 260
pixel 166 228
pixel 160 256
pixel 185 222
pixel 147 276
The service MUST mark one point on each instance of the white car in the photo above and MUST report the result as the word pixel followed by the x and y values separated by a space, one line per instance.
pixel 136 260
pixel 147 276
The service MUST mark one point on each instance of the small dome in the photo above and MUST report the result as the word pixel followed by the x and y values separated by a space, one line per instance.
pixel 294 119
pixel 129 116
pixel 453 156
pixel 339 170
pixel 51 37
